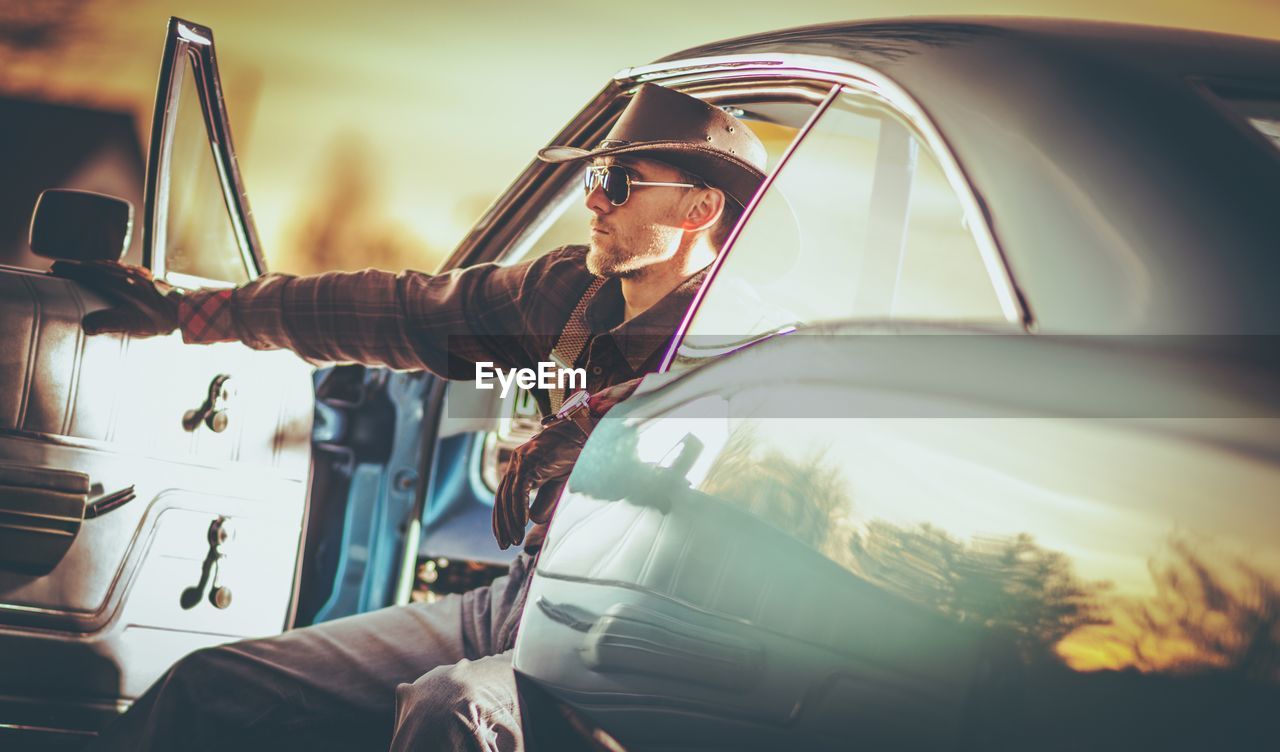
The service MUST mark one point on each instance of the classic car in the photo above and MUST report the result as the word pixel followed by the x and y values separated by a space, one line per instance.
pixel 969 440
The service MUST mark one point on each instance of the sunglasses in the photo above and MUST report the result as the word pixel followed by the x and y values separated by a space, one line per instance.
pixel 616 183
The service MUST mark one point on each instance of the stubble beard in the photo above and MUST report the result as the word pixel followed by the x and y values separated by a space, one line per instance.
pixel 607 260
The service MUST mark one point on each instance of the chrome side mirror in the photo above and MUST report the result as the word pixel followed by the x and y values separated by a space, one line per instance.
pixel 81 226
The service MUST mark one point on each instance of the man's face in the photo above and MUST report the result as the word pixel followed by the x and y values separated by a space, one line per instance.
pixel 643 231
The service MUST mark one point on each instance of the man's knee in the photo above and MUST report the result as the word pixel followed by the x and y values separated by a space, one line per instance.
pixel 470 705
pixel 435 704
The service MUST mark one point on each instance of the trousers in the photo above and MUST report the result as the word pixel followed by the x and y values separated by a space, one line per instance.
pixel 432 676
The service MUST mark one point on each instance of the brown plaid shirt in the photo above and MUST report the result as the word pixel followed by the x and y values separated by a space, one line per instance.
pixel 444 323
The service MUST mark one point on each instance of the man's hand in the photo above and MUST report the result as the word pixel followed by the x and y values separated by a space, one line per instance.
pixel 543 462
pixel 142 305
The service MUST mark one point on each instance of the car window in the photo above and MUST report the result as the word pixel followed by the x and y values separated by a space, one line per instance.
pixel 198 229
pixel 861 222
pixel 564 221
pixel 200 238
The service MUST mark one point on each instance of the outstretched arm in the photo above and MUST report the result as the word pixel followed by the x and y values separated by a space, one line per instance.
pixel 409 321
pixel 443 323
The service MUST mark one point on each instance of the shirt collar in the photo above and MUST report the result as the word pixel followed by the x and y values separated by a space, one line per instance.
pixel 639 338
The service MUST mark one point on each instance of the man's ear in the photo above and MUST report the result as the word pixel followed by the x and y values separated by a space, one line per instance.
pixel 704 211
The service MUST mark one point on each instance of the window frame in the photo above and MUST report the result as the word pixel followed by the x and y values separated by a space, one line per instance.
pixel 190 44
pixel 845 75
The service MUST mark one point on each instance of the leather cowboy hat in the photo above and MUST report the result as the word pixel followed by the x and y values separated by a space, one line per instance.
pixel 684 132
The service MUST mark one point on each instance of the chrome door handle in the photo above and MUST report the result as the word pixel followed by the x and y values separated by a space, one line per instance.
pixel 213 413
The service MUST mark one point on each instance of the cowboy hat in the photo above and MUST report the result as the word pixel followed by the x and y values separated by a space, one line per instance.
pixel 684 132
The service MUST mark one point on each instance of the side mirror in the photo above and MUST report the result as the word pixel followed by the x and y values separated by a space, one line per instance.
pixel 81 226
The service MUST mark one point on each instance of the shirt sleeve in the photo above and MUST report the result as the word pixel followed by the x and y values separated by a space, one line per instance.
pixel 443 323
pixel 204 316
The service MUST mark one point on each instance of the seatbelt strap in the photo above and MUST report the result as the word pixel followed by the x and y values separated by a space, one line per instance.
pixel 574 337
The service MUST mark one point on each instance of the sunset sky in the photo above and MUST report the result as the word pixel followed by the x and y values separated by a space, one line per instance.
pixel 431 108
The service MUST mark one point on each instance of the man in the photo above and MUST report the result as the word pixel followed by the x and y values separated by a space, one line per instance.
pixel 663 187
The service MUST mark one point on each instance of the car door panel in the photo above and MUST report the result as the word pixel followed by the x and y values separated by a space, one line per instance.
pixel 112 608
pixel 138 587
pixel 703 608
pixel 113 408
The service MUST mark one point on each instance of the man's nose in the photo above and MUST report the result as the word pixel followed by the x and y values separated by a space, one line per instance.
pixel 597 202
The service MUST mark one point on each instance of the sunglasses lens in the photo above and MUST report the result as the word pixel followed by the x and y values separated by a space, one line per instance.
pixel 617 184
pixel 613 180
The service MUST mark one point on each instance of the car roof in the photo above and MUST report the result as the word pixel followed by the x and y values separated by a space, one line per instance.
pixel 1125 197
pixel 900 40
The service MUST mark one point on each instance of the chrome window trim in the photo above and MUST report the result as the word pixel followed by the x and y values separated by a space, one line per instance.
pixel 190 44
pixel 863 79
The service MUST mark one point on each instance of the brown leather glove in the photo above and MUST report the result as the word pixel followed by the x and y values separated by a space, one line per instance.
pixel 142 305
pixel 544 462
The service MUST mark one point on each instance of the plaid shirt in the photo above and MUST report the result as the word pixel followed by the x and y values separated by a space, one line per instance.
pixel 445 323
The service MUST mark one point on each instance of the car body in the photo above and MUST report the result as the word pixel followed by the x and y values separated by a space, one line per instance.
pixel 969 533
pixel 918 493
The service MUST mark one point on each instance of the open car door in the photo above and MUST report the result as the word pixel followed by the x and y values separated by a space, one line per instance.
pixel 153 494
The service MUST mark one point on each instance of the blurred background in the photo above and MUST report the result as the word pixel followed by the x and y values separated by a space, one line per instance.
pixel 375 133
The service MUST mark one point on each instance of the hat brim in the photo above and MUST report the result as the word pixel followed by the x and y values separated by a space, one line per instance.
pixel 735 176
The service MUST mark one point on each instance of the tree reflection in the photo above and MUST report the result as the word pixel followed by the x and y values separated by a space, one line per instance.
pixel 806 498
pixel 1210 612
pixel 1206 612
pixel 1011 585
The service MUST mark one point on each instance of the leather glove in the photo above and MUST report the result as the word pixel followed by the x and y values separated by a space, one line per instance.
pixel 544 462
pixel 142 306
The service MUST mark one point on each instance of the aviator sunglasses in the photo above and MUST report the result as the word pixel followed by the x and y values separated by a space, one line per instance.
pixel 616 182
